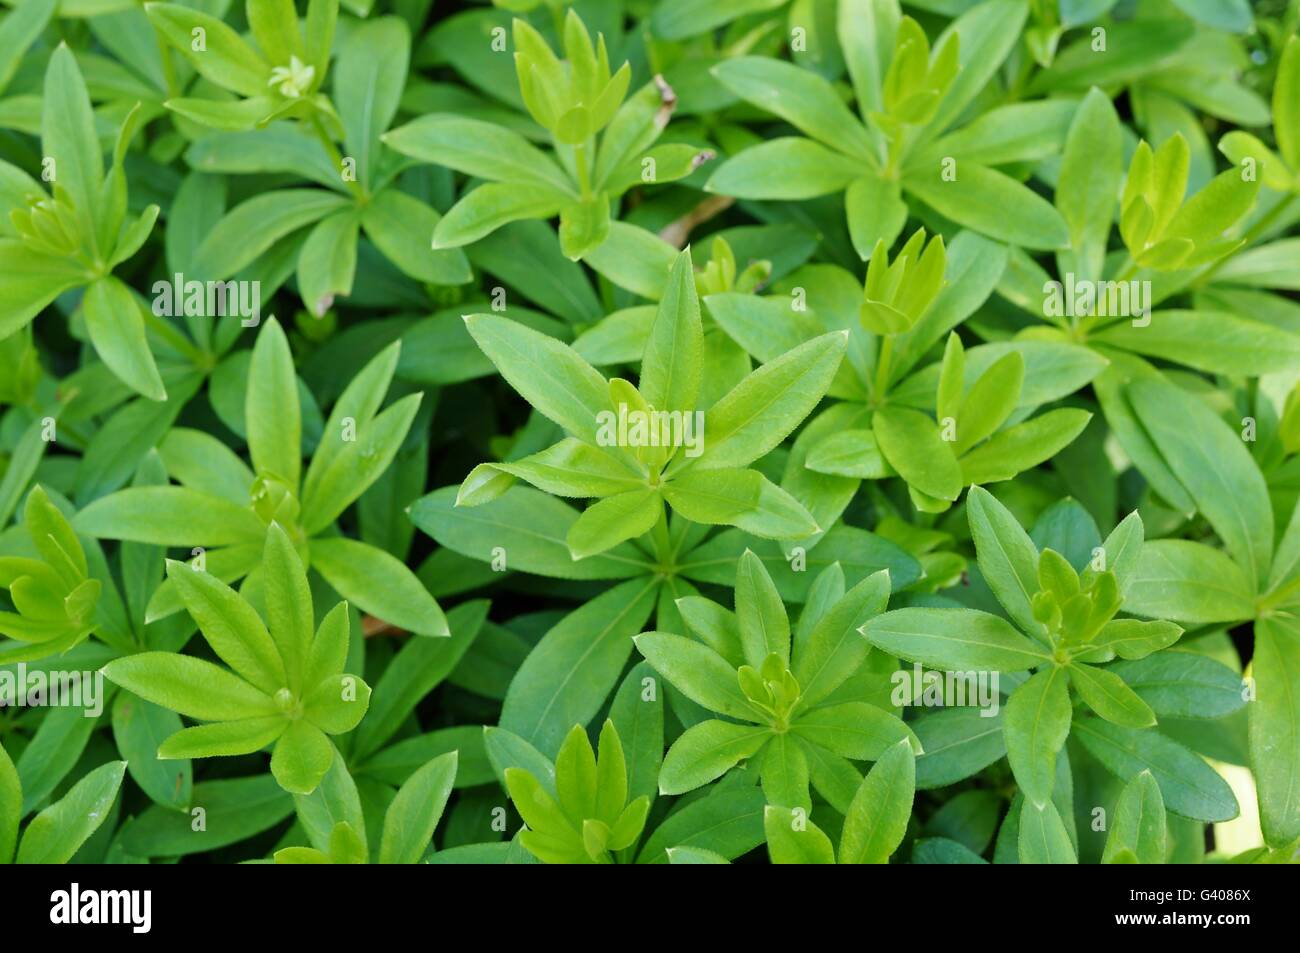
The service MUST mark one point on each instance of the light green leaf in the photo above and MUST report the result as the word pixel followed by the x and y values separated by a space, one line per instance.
pixel 414 813
pixel 189 686
pixel 54 835
pixel 1137 823
pixel 116 328
pixel 954 639
pixel 1275 727
pixel 1110 697
pixel 707 751
pixel 1035 724
pixel 378 583
pixel 877 819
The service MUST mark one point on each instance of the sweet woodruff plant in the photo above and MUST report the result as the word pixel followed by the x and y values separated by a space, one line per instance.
pixel 650 431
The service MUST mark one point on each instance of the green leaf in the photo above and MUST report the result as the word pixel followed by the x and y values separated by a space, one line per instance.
pixel 533 525
pixel 1188 582
pixel 11 807
pixel 21 28
pixel 1135 639
pixel 697 672
pixel 793 839
pixel 546 373
pixel 68 136
pixel 1007 557
pixel 52 753
pixel 1275 728
pixel 715 496
pixel 484 150
pixel 378 583
pixel 914 447
pixel 139 727
pixel 1239 346
pixel 852 729
pixel 419 666
pixel 674 355
pixel 957 743
pixel 639 721
pixel 32 281
pixel 225 58
pixel 250 229
pixel 681 19
pixel 1183 684
pixel 694 855
pixel 353 454
pixel 801 98
pixel 368 81
pixel 1110 697
pixel 288 602
pixel 567 676
pixel 414 813
pixel 231 626
pixel 1286 103
pixel 1035 725
pixel 1211 461
pixel 990 203
pixel 170 516
pixel 189 686
pixel 763 625
pixel 760 411
pixel 584 226
pixel 611 521
pixel 876 212
pixel 877 819
pixel 784 772
pixel 402 229
pixel 327 262
pixel 1189 786
pixel 1023 446
pixel 301 757
pixel 954 639
pixel 1089 182
pixel 786 169
pixel 116 328
pixel 492 205
pixel 1042 837
pixel 56 833
pixel 275 27
pixel 235 810
pixel 1138 823
pixel 271 411
pixel 835 649
pixel 707 751
pixel 568 468
pixel 222 739
pixel 728 822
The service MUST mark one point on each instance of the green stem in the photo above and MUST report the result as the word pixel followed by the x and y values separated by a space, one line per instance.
pixel 169 68
pixel 663 546
pixel 332 151
pixel 883 361
pixel 584 175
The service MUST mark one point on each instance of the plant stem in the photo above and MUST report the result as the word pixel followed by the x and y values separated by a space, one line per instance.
pixel 584 175
pixel 336 157
pixel 883 360
pixel 169 68
pixel 659 537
